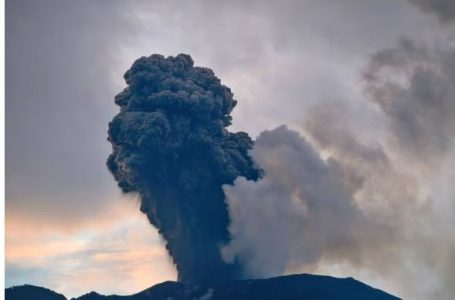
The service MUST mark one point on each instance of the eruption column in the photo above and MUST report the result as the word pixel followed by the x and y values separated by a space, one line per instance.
pixel 171 146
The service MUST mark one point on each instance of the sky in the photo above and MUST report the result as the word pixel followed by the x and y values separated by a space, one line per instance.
pixel 368 83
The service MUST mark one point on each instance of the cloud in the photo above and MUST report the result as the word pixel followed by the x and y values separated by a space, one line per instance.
pixel 262 50
pixel 443 9
pixel 58 103
pixel 303 209
pixel 72 262
pixel 335 130
pixel 371 199
pixel 413 86
pixel 356 209
pixel 404 165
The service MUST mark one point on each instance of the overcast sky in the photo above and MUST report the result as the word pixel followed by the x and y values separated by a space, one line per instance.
pixel 67 225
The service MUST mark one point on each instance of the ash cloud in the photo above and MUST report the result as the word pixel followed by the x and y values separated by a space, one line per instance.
pixel 400 192
pixel 443 9
pixel 171 146
pixel 385 188
pixel 413 87
pixel 378 204
pixel 304 208
pixel 326 197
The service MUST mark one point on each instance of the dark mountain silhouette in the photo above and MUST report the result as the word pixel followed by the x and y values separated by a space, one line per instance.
pixel 304 286
pixel 25 292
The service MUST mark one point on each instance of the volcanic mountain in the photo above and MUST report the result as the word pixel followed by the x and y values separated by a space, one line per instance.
pixel 303 286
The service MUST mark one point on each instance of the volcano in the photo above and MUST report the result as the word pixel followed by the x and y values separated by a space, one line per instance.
pixel 302 286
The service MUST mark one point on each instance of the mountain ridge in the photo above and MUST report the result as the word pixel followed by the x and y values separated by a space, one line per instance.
pixel 289 287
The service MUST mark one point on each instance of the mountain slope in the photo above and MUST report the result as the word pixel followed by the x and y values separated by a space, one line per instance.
pixel 26 292
pixel 304 286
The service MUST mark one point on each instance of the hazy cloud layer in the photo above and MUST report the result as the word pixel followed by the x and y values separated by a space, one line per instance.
pixel 58 102
pixel 120 248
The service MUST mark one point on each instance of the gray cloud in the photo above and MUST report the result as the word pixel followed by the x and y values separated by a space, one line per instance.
pixel 413 86
pixel 384 185
pixel 359 207
pixel 388 200
pixel 59 91
pixel 404 166
pixel 303 209
pixel 443 9
pixel 272 50
pixel 57 108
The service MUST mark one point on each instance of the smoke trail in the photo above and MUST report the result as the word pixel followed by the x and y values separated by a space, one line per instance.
pixel 170 145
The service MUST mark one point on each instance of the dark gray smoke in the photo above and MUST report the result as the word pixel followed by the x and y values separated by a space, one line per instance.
pixel 413 86
pixel 443 9
pixel 170 145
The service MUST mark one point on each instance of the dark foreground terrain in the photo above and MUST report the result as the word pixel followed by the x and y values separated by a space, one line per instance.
pixel 305 287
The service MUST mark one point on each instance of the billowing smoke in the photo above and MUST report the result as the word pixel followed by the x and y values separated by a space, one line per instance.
pixel 171 146
pixel 305 207
pixel 328 195
pixel 302 208
pixel 333 196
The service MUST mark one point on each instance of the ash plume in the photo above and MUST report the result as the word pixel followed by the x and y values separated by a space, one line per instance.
pixel 303 209
pixel 443 9
pixel 171 146
pixel 331 195
pixel 413 87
